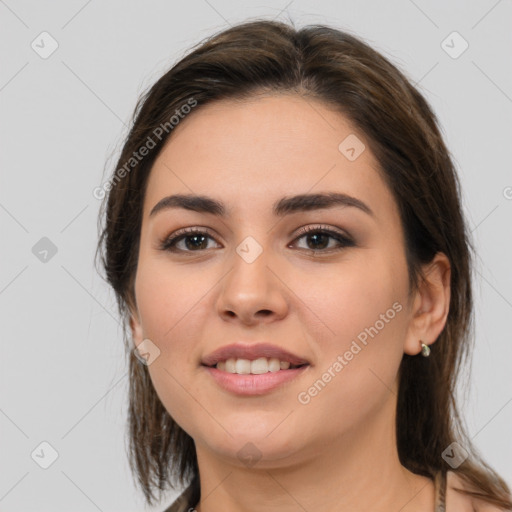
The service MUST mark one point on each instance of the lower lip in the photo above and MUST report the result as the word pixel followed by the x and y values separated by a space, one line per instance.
pixel 249 384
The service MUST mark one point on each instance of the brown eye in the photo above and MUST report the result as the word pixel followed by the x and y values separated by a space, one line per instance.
pixel 317 239
pixel 190 240
pixel 323 240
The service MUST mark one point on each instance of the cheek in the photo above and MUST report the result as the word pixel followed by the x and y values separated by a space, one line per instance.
pixel 171 304
pixel 168 298
pixel 352 296
pixel 363 320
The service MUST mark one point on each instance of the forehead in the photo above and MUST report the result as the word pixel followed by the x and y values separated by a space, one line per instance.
pixel 246 152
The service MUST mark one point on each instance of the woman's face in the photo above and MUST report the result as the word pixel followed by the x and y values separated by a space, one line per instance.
pixel 251 276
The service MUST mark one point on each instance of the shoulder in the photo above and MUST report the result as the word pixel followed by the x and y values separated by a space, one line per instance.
pixel 456 501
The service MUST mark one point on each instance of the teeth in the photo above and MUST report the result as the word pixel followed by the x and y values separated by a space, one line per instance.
pixel 242 366
pixel 274 365
pixel 255 367
pixel 230 366
pixel 259 366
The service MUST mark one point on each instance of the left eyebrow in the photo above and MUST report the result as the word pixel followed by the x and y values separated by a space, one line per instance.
pixel 284 206
pixel 307 202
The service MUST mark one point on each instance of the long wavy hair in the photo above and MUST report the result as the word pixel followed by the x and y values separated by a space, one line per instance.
pixel 320 63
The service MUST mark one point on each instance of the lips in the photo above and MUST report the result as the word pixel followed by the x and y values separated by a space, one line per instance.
pixel 254 385
pixel 251 352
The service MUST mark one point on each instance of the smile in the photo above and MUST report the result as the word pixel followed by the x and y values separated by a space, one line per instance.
pixel 256 367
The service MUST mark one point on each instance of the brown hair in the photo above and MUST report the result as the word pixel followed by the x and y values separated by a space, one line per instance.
pixel 339 69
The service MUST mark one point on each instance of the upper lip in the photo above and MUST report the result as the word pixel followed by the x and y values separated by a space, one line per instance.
pixel 255 351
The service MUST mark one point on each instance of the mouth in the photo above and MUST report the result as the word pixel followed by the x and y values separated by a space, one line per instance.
pixel 258 366
pixel 253 359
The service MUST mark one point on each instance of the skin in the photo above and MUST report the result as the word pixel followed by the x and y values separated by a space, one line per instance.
pixel 332 453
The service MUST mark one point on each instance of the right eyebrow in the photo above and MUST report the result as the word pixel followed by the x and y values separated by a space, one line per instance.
pixel 202 204
pixel 284 206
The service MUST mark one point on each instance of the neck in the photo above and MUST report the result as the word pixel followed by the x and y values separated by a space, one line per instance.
pixel 356 471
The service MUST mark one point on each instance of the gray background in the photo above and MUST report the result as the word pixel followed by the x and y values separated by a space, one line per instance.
pixel 63 375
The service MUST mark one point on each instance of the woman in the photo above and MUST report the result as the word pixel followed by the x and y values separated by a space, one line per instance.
pixel 284 235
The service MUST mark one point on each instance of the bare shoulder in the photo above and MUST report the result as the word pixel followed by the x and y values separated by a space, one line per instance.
pixel 461 502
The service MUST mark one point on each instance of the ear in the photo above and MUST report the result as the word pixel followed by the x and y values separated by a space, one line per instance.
pixel 431 305
pixel 136 327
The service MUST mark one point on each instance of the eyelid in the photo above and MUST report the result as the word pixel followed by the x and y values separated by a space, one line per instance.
pixel 191 229
pixel 321 227
pixel 165 242
pixel 344 239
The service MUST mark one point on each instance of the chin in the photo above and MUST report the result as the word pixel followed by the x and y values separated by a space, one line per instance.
pixel 255 447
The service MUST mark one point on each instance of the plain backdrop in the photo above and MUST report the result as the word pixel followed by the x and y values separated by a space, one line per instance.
pixel 63 373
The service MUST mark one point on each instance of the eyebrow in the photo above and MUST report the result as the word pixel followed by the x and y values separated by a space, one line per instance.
pixel 284 206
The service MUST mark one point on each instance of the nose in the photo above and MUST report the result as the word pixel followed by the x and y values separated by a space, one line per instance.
pixel 251 293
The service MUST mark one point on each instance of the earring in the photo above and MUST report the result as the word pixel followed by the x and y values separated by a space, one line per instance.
pixel 425 350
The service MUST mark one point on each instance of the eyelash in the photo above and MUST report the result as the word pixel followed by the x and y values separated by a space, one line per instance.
pixel 169 243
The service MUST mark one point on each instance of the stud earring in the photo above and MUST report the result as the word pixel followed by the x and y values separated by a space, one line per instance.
pixel 425 350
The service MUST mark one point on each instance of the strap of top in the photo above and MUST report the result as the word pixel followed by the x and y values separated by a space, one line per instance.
pixel 187 500
pixel 440 491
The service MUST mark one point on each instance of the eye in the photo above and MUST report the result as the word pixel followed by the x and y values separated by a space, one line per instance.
pixel 194 240
pixel 320 237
